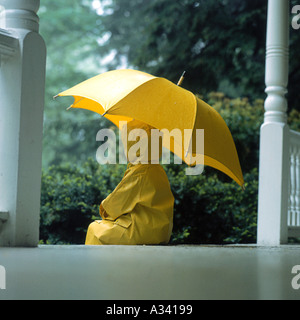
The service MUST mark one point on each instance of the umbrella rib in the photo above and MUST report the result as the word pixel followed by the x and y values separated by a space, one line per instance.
pixel 78 101
pixel 195 116
pixel 82 98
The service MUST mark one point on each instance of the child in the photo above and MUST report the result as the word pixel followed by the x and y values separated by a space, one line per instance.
pixel 140 209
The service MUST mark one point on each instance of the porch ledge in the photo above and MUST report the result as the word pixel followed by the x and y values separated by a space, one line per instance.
pixel 150 272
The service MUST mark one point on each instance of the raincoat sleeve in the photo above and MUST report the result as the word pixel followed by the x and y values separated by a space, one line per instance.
pixel 123 199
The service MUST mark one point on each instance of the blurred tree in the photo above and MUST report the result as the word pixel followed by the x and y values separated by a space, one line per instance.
pixel 294 67
pixel 71 30
pixel 220 43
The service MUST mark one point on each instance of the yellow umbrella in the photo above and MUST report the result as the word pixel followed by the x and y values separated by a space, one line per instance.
pixel 123 95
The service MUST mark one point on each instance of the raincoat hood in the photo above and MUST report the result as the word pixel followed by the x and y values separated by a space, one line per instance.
pixel 140 145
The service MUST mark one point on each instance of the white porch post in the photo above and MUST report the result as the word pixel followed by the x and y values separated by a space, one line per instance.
pixel 274 134
pixel 22 78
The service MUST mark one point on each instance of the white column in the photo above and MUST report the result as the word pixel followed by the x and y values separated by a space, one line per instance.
pixel 274 134
pixel 22 81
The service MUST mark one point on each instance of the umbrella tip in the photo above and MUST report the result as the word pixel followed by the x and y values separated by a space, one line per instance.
pixel 54 97
pixel 243 187
pixel 181 79
pixel 69 107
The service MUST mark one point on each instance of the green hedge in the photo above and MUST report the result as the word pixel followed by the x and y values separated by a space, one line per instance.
pixel 209 208
pixel 70 199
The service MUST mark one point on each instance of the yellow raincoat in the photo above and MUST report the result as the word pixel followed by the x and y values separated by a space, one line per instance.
pixel 140 209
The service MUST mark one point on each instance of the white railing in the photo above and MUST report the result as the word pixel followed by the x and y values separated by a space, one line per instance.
pixel 274 133
pixel 293 216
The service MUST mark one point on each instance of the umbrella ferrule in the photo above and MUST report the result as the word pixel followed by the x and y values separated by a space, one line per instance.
pixel 181 79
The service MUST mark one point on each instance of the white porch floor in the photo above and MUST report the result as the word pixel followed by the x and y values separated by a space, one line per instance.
pixel 150 272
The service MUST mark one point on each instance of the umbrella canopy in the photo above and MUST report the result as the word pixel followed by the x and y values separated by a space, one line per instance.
pixel 124 95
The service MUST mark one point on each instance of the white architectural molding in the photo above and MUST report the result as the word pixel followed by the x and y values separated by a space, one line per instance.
pixel 22 81
pixel 20 14
pixel 8 43
pixel 277 55
pixel 274 163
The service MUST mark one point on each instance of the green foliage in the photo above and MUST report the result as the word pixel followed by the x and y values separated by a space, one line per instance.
pixel 217 42
pixel 208 210
pixel 71 140
pixel 244 120
pixel 294 120
pixel 220 43
pixel 70 199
